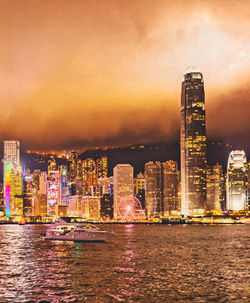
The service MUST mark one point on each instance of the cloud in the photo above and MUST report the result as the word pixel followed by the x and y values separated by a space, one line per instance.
pixel 93 73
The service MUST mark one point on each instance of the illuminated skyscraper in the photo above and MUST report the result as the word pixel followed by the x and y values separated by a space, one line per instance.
pixel 248 186
pixel 123 184
pixel 64 186
pixel 237 181
pixel 89 176
pixel 140 189
pixel 102 167
pixel 153 188
pixel 215 188
pixel 170 186
pixel 53 191
pixel 193 143
pixel 12 178
pixel 73 170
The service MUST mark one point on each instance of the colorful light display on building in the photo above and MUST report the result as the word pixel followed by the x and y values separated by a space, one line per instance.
pixel 7 188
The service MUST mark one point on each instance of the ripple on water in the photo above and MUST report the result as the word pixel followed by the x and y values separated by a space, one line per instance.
pixel 144 263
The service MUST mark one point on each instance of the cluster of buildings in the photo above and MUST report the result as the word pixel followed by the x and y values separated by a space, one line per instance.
pixel 82 188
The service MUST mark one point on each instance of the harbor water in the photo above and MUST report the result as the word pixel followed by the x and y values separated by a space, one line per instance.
pixel 143 263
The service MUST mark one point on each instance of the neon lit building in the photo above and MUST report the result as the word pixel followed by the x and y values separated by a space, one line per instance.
pixel 12 179
pixel 170 186
pixel 193 143
pixel 89 176
pixel 248 186
pixel 123 184
pixel 64 186
pixel 140 189
pixel 53 191
pixel 237 181
pixel 215 188
pixel 153 188
pixel 102 167
pixel 73 166
pixel 27 194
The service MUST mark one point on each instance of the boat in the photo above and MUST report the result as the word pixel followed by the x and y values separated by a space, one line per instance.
pixel 83 232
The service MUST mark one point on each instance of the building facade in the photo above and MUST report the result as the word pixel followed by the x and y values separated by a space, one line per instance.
pixel 170 186
pixel 12 175
pixel 215 188
pixel 123 184
pixel 237 181
pixel 193 143
pixel 153 189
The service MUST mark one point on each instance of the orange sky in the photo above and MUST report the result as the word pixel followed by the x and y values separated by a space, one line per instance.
pixel 76 74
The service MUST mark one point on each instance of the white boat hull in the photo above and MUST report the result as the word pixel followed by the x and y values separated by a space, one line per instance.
pixel 86 236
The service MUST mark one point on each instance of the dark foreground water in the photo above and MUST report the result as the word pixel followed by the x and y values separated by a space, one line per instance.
pixel 158 263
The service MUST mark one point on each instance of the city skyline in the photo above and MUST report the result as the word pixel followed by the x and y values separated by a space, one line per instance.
pixel 120 84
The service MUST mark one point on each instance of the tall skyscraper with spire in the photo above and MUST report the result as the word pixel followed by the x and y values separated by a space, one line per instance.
pixel 193 143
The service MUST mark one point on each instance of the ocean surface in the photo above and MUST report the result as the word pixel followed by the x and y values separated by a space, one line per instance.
pixel 144 263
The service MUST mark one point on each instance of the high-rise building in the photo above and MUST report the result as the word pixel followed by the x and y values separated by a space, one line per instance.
pixel 123 184
pixel 153 189
pixel 27 194
pixel 193 143
pixel 105 184
pixel 237 181
pixel 89 176
pixel 248 186
pixel 12 178
pixel 107 206
pixel 16 191
pixel 39 205
pixel 140 189
pixel 53 191
pixel 170 186
pixel 73 166
pixel 215 188
pixel 64 186
pixel 102 167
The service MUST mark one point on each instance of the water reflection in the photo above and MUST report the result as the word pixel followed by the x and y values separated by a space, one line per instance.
pixel 144 263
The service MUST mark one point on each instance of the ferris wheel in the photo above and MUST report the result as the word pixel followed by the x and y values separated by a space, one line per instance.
pixel 129 208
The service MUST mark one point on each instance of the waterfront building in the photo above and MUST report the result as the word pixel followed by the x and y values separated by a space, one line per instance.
pixel 94 207
pixel 105 184
pixel 53 191
pixel 215 188
pixel 43 183
pixel 76 187
pixel 27 194
pixel 52 165
pixel 12 178
pixel 61 210
pixel 89 176
pixel 36 179
pixel 16 191
pixel 74 206
pixel 91 181
pixel 64 186
pixel 1 200
pixel 107 210
pixel 193 143
pixel 123 184
pixel 39 205
pixel 102 167
pixel 73 171
pixel 170 186
pixel 140 189
pixel 153 189
pixel 237 181
pixel 248 186
pixel 96 190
